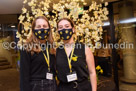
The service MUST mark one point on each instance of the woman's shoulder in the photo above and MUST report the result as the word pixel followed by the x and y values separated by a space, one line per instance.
pixel 24 52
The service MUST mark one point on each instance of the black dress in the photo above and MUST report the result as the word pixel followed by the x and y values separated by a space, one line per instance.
pixel 33 69
pixel 79 66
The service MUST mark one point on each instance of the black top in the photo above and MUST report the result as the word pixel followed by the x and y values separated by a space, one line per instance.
pixel 33 67
pixel 80 66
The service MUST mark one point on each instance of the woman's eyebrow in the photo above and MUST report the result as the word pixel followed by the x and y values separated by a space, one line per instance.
pixel 66 24
pixel 60 25
pixel 37 25
pixel 44 25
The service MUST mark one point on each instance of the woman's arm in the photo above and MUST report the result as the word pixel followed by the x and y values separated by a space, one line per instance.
pixel 91 68
pixel 24 71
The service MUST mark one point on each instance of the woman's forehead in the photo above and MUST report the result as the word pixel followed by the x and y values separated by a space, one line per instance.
pixel 41 21
pixel 63 22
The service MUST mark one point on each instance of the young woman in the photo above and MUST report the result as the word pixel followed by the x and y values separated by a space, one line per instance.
pixel 37 71
pixel 74 62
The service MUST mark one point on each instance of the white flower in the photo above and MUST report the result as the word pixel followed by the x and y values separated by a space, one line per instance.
pixel 31 3
pixel 25 1
pixel 106 3
pixel 46 13
pixel 24 10
pixel 18 35
pixel 21 18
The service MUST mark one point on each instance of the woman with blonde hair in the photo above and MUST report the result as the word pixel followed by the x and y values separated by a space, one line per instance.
pixel 37 71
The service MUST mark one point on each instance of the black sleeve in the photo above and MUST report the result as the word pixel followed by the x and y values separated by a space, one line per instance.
pixel 24 71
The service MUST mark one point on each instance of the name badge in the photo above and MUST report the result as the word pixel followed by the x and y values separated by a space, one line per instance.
pixel 72 77
pixel 49 76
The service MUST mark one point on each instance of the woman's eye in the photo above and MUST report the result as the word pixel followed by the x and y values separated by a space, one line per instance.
pixel 67 26
pixel 60 27
pixel 44 26
pixel 38 26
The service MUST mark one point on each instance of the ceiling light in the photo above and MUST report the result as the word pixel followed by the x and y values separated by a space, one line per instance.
pixel 13 26
pixel 106 23
pixel 130 20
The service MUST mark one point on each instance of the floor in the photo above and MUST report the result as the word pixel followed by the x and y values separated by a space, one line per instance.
pixel 9 80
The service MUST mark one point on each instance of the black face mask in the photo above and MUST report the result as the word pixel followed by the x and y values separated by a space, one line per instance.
pixel 65 34
pixel 42 34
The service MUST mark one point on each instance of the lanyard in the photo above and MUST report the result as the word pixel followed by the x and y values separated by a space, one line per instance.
pixel 47 60
pixel 70 59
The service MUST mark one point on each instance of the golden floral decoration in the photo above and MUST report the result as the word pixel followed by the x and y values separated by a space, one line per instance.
pixel 88 27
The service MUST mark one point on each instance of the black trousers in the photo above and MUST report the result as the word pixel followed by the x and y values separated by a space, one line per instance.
pixel 75 86
pixel 43 85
